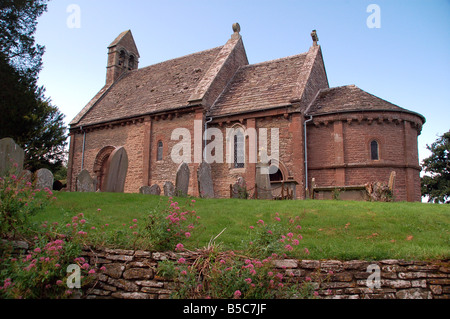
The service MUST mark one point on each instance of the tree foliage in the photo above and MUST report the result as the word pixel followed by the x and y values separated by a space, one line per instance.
pixel 26 115
pixel 436 184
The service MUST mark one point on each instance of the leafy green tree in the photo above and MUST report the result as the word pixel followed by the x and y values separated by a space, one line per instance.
pixel 436 184
pixel 26 115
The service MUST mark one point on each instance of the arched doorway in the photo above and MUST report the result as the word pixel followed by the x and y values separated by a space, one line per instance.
pixel 100 166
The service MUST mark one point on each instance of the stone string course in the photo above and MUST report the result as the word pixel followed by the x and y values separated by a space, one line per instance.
pixel 133 275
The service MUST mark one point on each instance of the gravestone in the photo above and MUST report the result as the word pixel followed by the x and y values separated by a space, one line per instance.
pixel 239 189
pixel 150 190
pixel 117 168
pixel 85 183
pixel 44 179
pixel 26 176
pixel 391 183
pixel 10 153
pixel 264 190
pixel 145 190
pixel 205 182
pixel 182 180
pixel 169 189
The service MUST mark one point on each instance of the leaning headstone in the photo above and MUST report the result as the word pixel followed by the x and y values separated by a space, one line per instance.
pixel 391 183
pixel 44 179
pixel 205 182
pixel 116 171
pixel 264 190
pixel 169 189
pixel 85 183
pixel 10 153
pixel 182 180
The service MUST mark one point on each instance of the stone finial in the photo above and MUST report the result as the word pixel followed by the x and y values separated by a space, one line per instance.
pixel 314 37
pixel 236 27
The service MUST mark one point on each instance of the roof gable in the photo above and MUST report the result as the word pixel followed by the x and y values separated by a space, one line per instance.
pixel 160 87
pixel 348 98
pixel 260 86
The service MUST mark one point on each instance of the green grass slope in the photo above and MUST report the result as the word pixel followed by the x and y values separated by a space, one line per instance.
pixel 330 229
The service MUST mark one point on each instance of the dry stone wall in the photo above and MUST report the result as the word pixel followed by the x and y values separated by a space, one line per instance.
pixel 133 275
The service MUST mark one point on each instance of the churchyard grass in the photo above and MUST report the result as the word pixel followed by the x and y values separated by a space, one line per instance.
pixel 330 229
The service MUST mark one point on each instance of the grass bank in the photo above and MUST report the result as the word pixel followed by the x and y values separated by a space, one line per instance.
pixel 330 229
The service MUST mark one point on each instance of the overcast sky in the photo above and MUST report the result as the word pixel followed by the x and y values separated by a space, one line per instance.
pixel 402 57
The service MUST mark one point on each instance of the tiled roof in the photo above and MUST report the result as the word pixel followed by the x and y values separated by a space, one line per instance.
pixel 348 98
pixel 260 86
pixel 160 87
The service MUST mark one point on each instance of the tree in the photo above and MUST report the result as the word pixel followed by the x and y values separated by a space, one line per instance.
pixel 18 20
pixel 436 185
pixel 26 115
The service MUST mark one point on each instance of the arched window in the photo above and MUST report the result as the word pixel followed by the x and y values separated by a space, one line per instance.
pixel 159 155
pixel 374 151
pixel 122 57
pixel 131 62
pixel 275 174
pixel 239 149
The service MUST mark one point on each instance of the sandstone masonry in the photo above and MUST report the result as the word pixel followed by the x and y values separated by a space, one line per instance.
pixel 133 275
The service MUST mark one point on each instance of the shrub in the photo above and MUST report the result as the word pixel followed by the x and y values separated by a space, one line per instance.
pixel 217 274
pixel 18 201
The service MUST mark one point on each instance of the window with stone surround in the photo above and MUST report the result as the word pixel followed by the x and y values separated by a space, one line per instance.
pixel 159 155
pixel 374 151
pixel 239 149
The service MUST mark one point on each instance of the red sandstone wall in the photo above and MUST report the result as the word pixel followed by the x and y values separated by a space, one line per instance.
pixel 128 136
pixel 332 136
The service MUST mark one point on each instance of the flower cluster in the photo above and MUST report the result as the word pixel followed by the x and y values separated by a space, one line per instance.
pixel 18 200
pixel 278 236
pixel 164 228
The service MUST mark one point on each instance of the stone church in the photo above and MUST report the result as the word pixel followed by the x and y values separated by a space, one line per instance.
pixel 337 138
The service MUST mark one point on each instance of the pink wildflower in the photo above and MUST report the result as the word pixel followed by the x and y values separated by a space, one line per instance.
pixel 248 280
pixel 181 260
pixel 179 247
pixel 187 234
pixel 237 294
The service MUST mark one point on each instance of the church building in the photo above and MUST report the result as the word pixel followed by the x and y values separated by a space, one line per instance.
pixel 337 138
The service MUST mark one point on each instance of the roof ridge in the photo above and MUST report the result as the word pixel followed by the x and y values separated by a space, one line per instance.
pixel 181 57
pixel 275 60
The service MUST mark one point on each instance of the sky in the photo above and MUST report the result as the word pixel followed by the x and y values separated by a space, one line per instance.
pixel 398 50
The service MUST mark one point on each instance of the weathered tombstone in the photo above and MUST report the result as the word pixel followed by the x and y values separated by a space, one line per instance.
pixel 44 179
pixel 392 181
pixel 205 182
pixel 117 168
pixel 239 189
pixel 10 153
pixel 145 190
pixel 182 180
pixel 150 190
pixel 169 189
pixel 155 190
pixel 264 190
pixel 26 176
pixel 85 183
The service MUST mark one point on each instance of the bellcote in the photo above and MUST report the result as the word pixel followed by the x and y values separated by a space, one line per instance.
pixel 123 56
